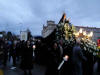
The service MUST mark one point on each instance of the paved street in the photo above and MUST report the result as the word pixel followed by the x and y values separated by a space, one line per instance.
pixel 37 70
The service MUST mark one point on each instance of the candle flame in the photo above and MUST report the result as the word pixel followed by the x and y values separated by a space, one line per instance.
pixel 84 33
pixel 81 30
pixel 76 34
pixel 91 34
pixel 34 46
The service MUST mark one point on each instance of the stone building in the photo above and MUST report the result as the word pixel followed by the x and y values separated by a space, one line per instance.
pixel 48 29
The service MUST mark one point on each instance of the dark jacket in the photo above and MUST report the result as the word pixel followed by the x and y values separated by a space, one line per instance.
pixel 77 60
pixel 53 61
pixel 27 58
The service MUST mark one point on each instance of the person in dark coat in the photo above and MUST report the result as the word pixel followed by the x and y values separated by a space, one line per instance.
pixel 77 58
pixel 27 58
pixel 67 66
pixel 12 53
pixel 53 59
pixel 38 51
pixel 6 47
pixel 18 49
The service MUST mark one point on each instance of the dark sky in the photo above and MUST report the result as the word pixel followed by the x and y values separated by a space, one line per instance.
pixel 16 15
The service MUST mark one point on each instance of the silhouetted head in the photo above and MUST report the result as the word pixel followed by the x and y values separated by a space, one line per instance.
pixel 78 41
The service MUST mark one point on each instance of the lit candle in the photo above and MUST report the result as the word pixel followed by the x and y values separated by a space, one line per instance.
pixel 81 30
pixel 84 33
pixel 91 34
pixel 64 59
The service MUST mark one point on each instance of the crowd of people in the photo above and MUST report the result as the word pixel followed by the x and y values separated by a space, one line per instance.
pixel 17 50
pixel 51 55
pixel 79 61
